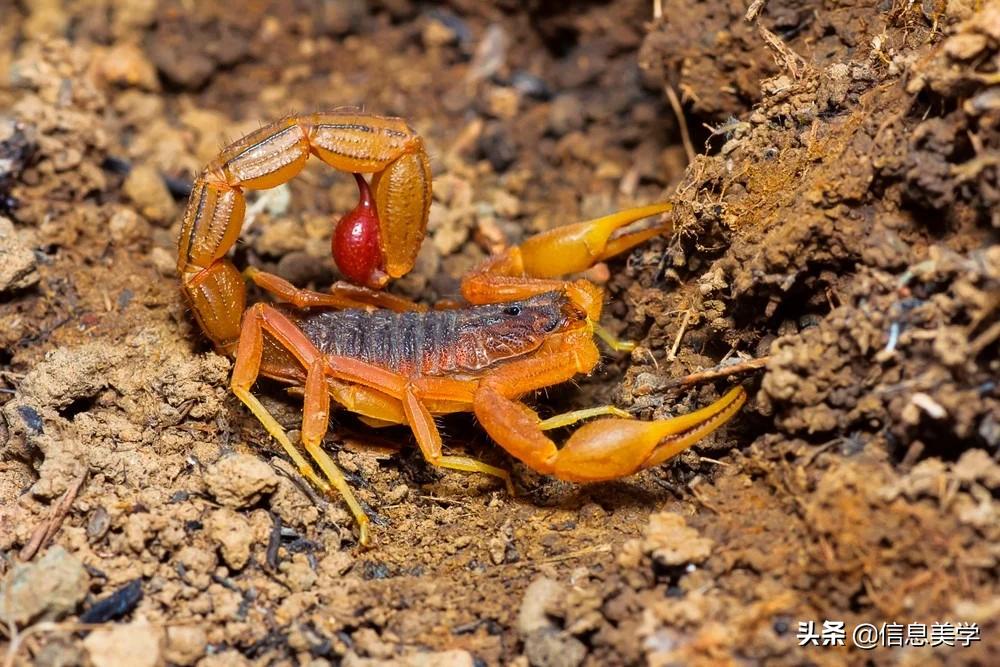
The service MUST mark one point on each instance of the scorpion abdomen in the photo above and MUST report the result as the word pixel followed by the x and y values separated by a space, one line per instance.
pixel 440 342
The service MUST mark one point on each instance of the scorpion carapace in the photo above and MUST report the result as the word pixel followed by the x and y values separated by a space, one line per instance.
pixel 440 342
pixel 526 328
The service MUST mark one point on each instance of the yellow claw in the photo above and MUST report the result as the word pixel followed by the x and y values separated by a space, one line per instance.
pixel 608 449
pixel 574 248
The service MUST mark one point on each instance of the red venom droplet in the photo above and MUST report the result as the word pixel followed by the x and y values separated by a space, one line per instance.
pixel 356 248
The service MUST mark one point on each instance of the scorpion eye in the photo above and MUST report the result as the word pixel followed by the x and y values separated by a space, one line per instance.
pixel 513 311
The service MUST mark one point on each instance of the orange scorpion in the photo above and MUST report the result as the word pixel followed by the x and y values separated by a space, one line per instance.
pixel 392 361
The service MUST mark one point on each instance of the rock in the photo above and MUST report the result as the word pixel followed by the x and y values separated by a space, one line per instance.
pixel 18 143
pixel 240 480
pixel 550 649
pixel 965 46
pixel 127 226
pixel 230 658
pixel 126 65
pixel 198 565
pixel 450 230
pixel 232 532
pixel 132 17
pixel 503 102
pixel 565 115
pixel 437 33
pixel 490 55
pixel 185 644
pixel 670 541
pixel 343 17
pixel 299 575
pixel 146 189
pixel 46 18
pixel 541 596
pixel 136 644
pixel 164 261
pixel 279 237
pixel 46 589
pixel 300 268
pixel 336 563
pixel 453 658
pixel 545 644
pixel 18 268
pixel 497 145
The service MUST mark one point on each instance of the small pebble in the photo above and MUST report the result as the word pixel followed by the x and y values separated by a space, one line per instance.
pixel 240 480
pixel 565 115
pixel 234 536
pixel 436 34
pixel 46 589
pixel 185 644
pixel 145 187
pixel 18 266
pixel 498 147
pixel 136 644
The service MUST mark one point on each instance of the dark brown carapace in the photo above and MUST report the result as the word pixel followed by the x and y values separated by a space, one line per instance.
pixel 441 342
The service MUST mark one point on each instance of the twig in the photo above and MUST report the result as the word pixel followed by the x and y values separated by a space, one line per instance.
pixel 793 62
pixel 705 459
pixel 985 339
pixel 602 548
pixel 680 334
pixel 657 9
pixel 446 501
pixel 48 528
pixel 754 10
pixel 714 373
pixel 675 104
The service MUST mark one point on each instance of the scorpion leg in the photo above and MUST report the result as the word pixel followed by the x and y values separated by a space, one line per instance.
pixel 342 295
pixel 429 440
pixel 414 395
pixel 261 318
pixel 572 417
pixel 600 450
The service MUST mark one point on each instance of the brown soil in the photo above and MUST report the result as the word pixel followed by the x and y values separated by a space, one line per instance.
pixel 841 216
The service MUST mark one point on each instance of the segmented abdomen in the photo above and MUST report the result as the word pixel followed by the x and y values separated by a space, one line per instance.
pixel 411 343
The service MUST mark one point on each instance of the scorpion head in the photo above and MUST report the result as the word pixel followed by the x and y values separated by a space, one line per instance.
pixel 494 332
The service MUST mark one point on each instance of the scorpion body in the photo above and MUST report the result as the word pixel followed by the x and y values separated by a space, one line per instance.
pixel 438 343
pixel 382 357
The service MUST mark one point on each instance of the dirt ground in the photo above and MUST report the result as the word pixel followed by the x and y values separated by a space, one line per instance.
pixel 834 171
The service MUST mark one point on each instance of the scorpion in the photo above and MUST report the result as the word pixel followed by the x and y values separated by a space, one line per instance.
pixel 523 326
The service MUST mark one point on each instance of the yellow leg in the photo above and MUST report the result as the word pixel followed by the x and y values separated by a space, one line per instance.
pixel 612 341
pixel 468 464
pixel 278 433
pixel 568 418
pixel 429 440
pixel 328 467
pixel 315 419
pixel 336 478
pixel 315 414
